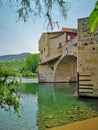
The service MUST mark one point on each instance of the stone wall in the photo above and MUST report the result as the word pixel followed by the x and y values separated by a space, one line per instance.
pixel 48 46
pixel 63 66
pixel 87 61
pixel 46 74
pixel 66 70
pixel 43 46
pixel 70 48
pixel 54 44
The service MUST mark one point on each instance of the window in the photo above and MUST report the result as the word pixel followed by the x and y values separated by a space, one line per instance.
pixel 59 45
pixel 68 37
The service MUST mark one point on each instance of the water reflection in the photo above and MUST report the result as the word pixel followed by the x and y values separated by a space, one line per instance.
pixel 29 88
pixel 28 111
pixel 48 105
pixel 58 105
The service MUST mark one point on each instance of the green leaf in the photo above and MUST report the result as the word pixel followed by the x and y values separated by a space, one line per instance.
pixel 93 19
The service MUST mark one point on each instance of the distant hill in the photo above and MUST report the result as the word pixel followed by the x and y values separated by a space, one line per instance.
pixel 14 56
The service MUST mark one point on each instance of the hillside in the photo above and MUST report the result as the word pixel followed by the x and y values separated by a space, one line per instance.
pixel 14 56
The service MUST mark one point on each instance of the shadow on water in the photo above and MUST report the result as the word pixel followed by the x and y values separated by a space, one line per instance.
pixel 48 105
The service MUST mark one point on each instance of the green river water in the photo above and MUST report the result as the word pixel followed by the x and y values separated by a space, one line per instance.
pixel 48 105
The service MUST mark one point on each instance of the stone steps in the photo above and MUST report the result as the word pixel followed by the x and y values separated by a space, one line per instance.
pixel 41 78
pixel 85 84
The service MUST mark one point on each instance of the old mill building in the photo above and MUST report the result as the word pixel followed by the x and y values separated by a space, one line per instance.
pixel 71 55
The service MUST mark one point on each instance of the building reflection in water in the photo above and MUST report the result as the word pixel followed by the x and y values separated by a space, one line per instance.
pixel 59 105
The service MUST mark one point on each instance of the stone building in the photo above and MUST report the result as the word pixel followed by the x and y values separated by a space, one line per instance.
pixel 51 47
pixel 66 53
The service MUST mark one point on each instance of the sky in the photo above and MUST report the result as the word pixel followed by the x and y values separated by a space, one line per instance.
pixel 19 37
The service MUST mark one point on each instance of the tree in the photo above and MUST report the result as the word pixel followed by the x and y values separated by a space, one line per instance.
pixel 93 19
pixel 32 62
pixel 8 90
pixel 40 8
pixel 45 8
pixel 36 8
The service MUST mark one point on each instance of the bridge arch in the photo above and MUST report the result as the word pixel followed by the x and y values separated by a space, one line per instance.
pixel 66 69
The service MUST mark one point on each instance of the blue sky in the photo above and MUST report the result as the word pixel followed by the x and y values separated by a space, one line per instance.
pixel 19 37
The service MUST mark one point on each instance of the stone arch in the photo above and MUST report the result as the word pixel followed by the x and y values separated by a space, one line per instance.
pixel 66 69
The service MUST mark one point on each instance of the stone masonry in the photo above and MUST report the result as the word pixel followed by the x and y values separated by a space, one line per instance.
pixel 63 61
pixel 58 62
pixel 87 59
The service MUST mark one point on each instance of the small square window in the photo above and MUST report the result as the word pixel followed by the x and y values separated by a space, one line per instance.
pixel 68 37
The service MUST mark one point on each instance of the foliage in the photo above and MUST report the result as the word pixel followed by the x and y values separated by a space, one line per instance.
pixel 14 65
pixel 93 19
pixel 45 9
pixel 32 62
pixel 4 72
pixel 29 74
pixel 8 90
pixel 40 8
pixel 25 67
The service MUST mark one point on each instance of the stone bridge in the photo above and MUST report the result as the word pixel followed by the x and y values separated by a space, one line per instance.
pixel 63 68
pixel 71 56
pixel 66 67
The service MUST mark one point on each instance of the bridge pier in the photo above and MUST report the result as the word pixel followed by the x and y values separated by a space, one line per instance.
pixel 46 74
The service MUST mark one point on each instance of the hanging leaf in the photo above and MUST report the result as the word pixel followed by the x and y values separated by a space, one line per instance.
pixel 93 19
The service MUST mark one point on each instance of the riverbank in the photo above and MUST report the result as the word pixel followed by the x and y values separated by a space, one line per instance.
pixel 29 80
pixel 89 124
